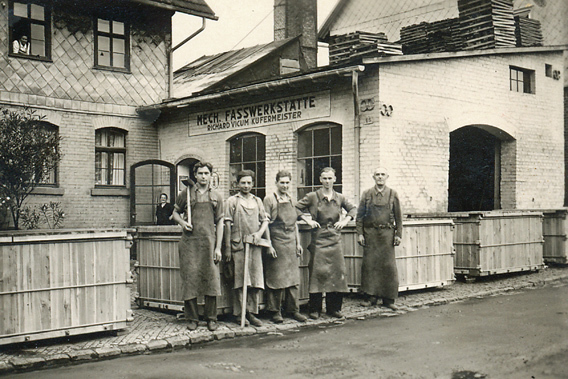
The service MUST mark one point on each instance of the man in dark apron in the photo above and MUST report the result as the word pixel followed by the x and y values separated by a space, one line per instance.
pixel 379 227
pixel 282 274
pixel 200 246
pixel 327 264
pixel 245 216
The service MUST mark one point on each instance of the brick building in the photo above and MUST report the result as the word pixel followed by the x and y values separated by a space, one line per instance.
pixel 88 67
pixel 407 113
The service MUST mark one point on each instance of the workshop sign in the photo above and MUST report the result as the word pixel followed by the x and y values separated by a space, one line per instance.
pixel 289 109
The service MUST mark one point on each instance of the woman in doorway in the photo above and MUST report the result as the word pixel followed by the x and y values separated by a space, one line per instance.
pixel 164 211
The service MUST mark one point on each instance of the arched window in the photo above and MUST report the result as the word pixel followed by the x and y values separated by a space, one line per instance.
pixel 110 154
pixel 248 152
pixel 318 147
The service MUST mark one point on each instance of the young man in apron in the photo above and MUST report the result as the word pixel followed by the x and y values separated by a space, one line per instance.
pixel 327 264
pixel 282 274
pixel 379 227
pixel 245 215
pixel 200 246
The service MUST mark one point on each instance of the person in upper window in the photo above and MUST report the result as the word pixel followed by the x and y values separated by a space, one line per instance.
pixel 21 46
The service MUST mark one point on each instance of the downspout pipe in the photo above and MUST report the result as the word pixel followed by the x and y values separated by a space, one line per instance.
pixel 171 57
pixel 356 135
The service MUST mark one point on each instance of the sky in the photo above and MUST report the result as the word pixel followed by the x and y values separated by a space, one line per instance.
pixel 242 23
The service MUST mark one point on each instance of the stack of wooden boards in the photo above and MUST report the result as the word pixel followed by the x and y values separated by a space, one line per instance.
pixel 482 24
pixel 352 47
pixel 528 32
pixel 428 37
pixel 487 24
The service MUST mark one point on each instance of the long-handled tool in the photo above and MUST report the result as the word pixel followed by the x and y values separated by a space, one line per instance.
pixel 188 183
pixel 248 241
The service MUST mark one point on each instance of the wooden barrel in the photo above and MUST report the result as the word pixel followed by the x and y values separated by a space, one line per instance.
pixel 64 282
pixel 555 229
pixel 489 243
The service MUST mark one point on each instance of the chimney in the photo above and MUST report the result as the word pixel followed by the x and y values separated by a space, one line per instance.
pixel 298 17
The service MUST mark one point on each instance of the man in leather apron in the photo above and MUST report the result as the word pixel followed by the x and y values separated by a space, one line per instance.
pixel 379 227
pixel 327 264
pixel 245 215
pixel 282 274
pixel 200 246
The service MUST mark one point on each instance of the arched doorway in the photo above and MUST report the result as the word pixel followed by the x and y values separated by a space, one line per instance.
pixel 475 170
pixel 148 179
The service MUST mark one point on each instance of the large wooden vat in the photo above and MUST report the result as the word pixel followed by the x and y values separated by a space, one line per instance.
pixel 555 228
pixel 61 283
pixel 159 281
pixel 424 258
pixel 496 242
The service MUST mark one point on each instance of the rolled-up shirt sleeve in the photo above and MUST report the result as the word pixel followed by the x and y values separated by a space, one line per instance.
pixel 349 207
pixel 271 207
pixel 219 207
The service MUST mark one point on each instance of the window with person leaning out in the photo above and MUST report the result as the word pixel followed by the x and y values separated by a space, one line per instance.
pixel 21 46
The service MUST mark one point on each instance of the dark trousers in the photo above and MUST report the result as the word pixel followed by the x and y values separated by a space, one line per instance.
pixel 333 302
pixel 209 311
pixel 287 297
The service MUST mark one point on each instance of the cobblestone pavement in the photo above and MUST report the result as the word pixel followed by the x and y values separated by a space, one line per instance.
pixel 155 331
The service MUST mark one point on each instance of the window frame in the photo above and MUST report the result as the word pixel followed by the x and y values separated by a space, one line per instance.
pixel 111 150
pixel 110 34
pixel 302 187
pixel 258 190
pixel 51 128
pixel 527 82
pixel 46 23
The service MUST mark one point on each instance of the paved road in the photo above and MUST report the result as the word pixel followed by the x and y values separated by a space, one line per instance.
pixel 518 335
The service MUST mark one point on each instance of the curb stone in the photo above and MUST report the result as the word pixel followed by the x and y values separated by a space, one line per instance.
pixel 55 360
pixel 156 345
pixel 107 352
pixel 82 355
pixel 179 342
pixel 133 348
pixel 27 363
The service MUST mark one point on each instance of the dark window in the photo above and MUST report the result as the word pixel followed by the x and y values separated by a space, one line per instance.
pixel 318 147
pixel 112 44
pixel 51 178
pixel 548 70
pixel 248 152
pixel 110 153
pixel 521 80
pixel 30 33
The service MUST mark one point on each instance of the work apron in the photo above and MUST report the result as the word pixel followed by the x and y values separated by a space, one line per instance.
pixel 327 264
pixel 199 273
pixel 379 276
pixel 283 271
pixel 245 222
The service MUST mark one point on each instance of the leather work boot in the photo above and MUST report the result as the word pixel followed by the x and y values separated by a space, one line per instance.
pixel 253 320
pixel 299 317
pixel 191 325
pixel 212 325
pixel 336 314
pixel 277 318
pixel 314 315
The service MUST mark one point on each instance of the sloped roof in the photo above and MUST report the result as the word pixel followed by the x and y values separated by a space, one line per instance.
pixel 193 7
pixel 209 70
